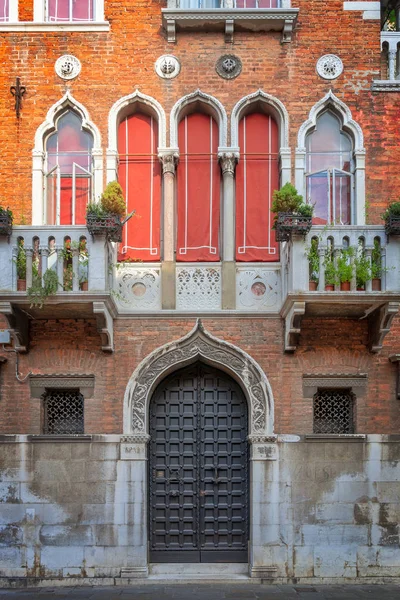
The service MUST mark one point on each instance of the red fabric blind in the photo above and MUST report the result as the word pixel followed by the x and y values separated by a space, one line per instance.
pixel 139 174
pixel 257 176
pixel 198 185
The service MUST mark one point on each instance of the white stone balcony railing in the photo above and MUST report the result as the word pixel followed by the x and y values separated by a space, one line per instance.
pixel 390 46
pixel 338 238
pixel 82 269
pixel 45 248
pixel 253 15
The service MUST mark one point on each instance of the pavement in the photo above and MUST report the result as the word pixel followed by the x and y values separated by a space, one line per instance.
pixel 209 592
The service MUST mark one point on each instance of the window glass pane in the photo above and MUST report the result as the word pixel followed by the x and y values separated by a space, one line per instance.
pixel 342 198
pixel 69 167
pixel 4 14
pixel 199 4
pixel 70 10
pixel 318 194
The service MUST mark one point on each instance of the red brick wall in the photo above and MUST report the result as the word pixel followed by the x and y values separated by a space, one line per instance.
pixel 117 62
pixel 326 346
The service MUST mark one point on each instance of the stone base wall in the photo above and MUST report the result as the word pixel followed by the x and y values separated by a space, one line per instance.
pixel 324 510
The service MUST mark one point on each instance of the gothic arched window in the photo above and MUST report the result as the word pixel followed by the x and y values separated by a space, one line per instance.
pixel 257 176
pixel 198 189
pixel 330 171
pixel 69 171
pixel 139 174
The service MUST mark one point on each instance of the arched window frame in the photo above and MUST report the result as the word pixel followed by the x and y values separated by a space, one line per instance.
pixel 48 127
pixel 121 108
pixel 199 101
pixel 259 101
pixel 349 126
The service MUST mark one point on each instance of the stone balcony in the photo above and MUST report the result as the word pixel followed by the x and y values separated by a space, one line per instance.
pixel 378 307
pixel 230 15
pixel 390 45
pixel 83 289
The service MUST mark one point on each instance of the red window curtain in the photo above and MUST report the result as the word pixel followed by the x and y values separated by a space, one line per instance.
pixel 198 185
pixel 257 176
pixel 139 174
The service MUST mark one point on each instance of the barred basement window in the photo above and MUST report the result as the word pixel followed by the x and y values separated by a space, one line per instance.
pixel 333 411
pixel 63 412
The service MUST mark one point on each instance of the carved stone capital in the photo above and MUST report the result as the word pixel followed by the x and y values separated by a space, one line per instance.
pixel 169 162
pixel 228 161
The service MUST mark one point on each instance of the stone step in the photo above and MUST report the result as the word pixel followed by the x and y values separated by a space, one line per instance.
pixel 207 570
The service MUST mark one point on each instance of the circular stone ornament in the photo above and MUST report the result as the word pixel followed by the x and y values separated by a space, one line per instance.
pixel 329 66
pixel 67 66
pixel 167 66
pixel 228 66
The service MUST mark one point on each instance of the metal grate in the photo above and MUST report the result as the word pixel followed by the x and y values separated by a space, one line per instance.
pixel 333 411
pixel 63 412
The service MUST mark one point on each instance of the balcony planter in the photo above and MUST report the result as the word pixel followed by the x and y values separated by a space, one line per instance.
pixel 345 286
pixel 21 285
pixel 108 224
pixel 391 216
pixel 292 215
pixel 376 284
pixel 288 224
pixel 6 221
pixel 329 287
pixel 312 285
pixel 392 224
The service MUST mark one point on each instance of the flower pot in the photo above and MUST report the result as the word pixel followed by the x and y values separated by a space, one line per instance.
pixel 109 225
pixel 313 286
pixel 329 287
pixel 345 286
pixel 360 289
pixel 376 285
pixel 84 286
pixel 21 285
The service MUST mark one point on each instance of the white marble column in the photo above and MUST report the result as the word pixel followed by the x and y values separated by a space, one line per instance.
pixel 169 160
pixel 228 161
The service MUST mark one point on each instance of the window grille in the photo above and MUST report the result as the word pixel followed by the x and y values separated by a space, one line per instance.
pixel 333 411
pixel 63 412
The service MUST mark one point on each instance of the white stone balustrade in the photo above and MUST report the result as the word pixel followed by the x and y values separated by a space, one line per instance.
pixel 44 246
pixel 340 237
pixel 390 45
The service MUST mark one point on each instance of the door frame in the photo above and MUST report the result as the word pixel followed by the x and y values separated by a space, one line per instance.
pixel 200 345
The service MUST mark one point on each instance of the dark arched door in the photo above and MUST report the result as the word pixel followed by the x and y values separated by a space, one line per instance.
pixel 198 468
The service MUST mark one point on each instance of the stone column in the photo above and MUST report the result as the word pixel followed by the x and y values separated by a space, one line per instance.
pixel 265 542
pixel 169 161
pixel 228 162
pixel 132 480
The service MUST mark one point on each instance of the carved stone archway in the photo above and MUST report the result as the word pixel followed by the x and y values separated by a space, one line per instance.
pixel 199 344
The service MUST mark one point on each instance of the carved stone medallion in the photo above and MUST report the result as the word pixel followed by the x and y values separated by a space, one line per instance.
pixel 167 66
pixel 67 66
pixel 228 66
pixel 329 66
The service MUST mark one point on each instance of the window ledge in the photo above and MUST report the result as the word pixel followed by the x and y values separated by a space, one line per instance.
pixel 60 438
pixel 336 437
pixel 255 19
pixel 33 26
pixel 385 85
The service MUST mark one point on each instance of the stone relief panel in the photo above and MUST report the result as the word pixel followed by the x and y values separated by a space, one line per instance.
pixel 198 288
pixel 258 289
pixel 138 288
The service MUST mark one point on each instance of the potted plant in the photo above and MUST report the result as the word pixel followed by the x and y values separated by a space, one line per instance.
pixel 20 262
pixel 105 217
pixel 40 291
pixel 391 216
pixel 376 267
pixel 313 265
pixel 6 221
pixel 83 266
pixel 363 271
pixel 292 215
pixel 345 269
pixel 330 272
